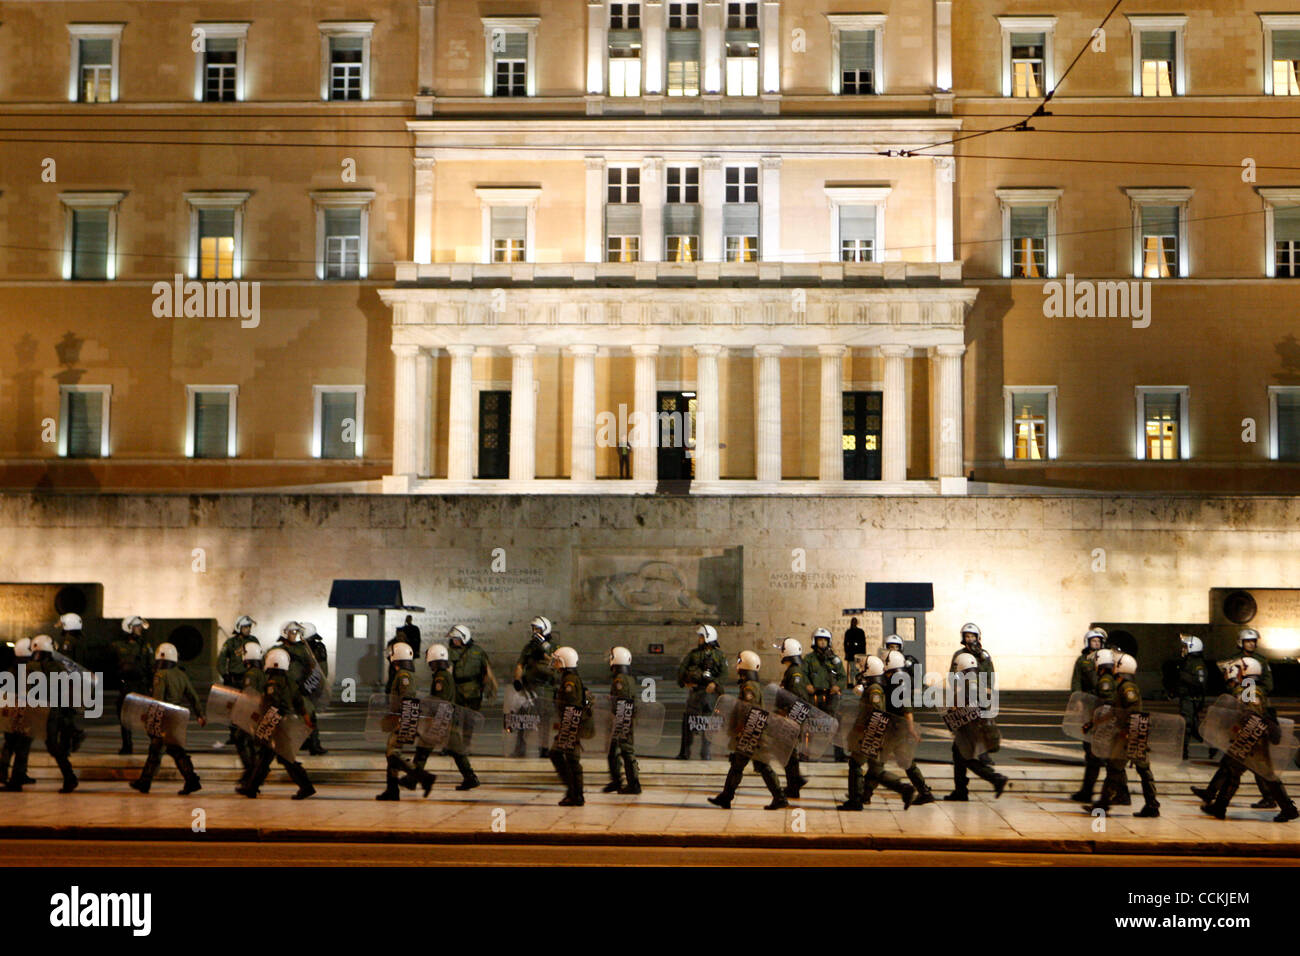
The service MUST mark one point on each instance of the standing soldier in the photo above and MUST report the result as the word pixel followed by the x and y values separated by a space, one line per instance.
pixel 1248 645
pixel 873 699
pixel 231 666
pixel 533 671
pixel 898 701
pixel 827 675
pixel 470 668
pixel 795 682
pixel 1193 681
pixel 569 694
pixel 17 746
pixel 283 694
pixel 1128 700
pixel 302 663
pixel 621 689
pixel 171 685
pixel 71 645
pixel 254 683
pixel 750 694
pixel 967 665
pixel 316 644
pixel 1084 680
pixel 700 672
pixel 132 662
pixel 445 688
pixel 401 691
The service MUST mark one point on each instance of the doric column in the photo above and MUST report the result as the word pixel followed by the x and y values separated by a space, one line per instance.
pixel 831 445
pixel 894 415
pixel 645 402
pixel 406 410
pixel 770 38
pixel 595 215
pixel 422 247
pixel 652 209
pixel 767 453
pixel 582 453
pixel 712 193
pixel 945 175
pixel 460 414
pixel 946 361
pixel 523 414
pixel 653 24
pixel 711 16
pixel 427 47
pixel 424 418
pixel 943 45
pixel 770 209
pixel 707 454
pixel 596 25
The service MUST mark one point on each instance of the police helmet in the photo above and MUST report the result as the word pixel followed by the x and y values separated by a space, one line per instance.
pixel 965 662
pixel 566 658
pixel 70 622
pixel 252 652
pixel 277 659
pixel 708 632
pixel 748 661
pixel 459 632
pixel 620 657
pixel 436 652
pixel 1126 664
pixel 166 652
pixel 789 648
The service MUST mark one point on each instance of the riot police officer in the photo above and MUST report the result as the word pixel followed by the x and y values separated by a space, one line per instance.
pixel 231 666
pixel 171 685
pixel 254 683
pixel 71 644
pixel 446 688
pixel 750 693
pixel 795 682
pixel 1102 676
pixel 1128 700
pixel 316 644
pixel 132 658
pixel 621 688
pixel 302 663
pixel 17 746
pixel 898 696
pixel 873 698
pixel 470 667
pixel 1193 681
pixel 828 677
pixel 1084 680
pixel 533 671
pixel 401 689
pixel 895 643
pixel 569 693
pixel 966 664
pixel 700 672
pixel 282 693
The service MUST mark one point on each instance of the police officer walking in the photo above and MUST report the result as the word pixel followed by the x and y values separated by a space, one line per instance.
pixel 302 663
pixel 982 765
pixel 827 675
pixel 17 745
pixel 71 645
pixel 621 689
pixel 471 669
pixel 231 666
pixel 446 688
pixel 873 699
pixel 1128 701
pixel 401 690
pixel 795 682
pixel 1084 680
pixel 282 693
pixel 132 658
pixel 1193 681
pixel 700 672
pixel 254 683
pixel 750 693
pixel 171 685
pixel 898 696
pixel 565 755
pixel 534 671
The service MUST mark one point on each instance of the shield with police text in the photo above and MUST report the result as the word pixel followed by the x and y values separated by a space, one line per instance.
pixel 389 714
pixel 878 735
pixel 314 683
pixel 637 722
pixel 816 727
pixel 25 720
pixel 268 725
pixel 87 679
pixel 525 723
pixel 752 731
pixel 221 703
pixel 1078 714
pixel 1118 734
pixel 157 719
pixel 447 726
pixel 1263 746
pixel 972 734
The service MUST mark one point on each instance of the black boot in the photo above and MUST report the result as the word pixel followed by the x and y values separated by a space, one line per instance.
pixel 186 766
pixel 127 746
pixel 575 775
pixel 633 775
pixel 794 778
pixel 923 792
pixel 391 790
pixel 684 752
pixel 773 787
pixel 468 779
pixel 145 780
pixel 298 774
pixel 1286 806
pixel 615 776
pixel 1150 805
pixel 1091 769
pixel 854 802
pixel 734 775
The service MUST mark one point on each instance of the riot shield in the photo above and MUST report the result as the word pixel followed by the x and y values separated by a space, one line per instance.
pixel 1078 712
pixel 27 720
pixel 447 726
pixel 221 703
pixel 639 722
pixel 576 728
pixel 389 714
pixel 268 726
pixel 748 729
pixel 972 734
pixel 816 727
pixel 155 719
pixel 89 680
pixel 878 735
pixel 526 723
pixel 314 684
pixel 1248 737
pixel 1136 736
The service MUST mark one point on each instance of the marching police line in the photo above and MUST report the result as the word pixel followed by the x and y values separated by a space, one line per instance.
pixel 270 698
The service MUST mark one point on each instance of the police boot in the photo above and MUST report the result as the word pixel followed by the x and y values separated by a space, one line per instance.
pixel 734 775
pixel 923 793
pixel 684 753
pixel 557 761
pixel 70 780
pixel 840 755
pixel 256 775
pixel 705 751
pixel 773 786
pixel 422 755
pixel 615 776
pixel 1287 807
pixel 794 778
pixel 145 780
pixel 127 746
pixel 1219 808
pixel 391 789
pixel 186 766
pixel 1091 770
pixel 19 775
pixel 854 802
pixel 298 774
pixel 960 783
pixel 468 779
pixel 574 797
pixel 1266 801
pixel 633 775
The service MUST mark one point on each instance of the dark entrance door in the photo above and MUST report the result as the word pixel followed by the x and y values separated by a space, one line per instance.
pixel 676 421
pixel 494 434
pixel 862 415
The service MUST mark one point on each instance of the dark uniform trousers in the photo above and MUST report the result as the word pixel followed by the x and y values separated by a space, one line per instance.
pixel 17 747
pixel 60 736
pixel 297 773
pixel 736 773
pixel 981 766
pixel 151 762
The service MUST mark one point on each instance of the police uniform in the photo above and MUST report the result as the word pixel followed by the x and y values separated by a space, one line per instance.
pixel 254 683
pixel 470 670
pixel 826 671
pixel 795 682
pixel 283 694
pixel 133 662
pixel 1228 777
pixel 231 667
pixel 171 685
pixel 621 688
pixel 1084 680
pixel 873 699
pixel 749 693
pixel 896 703
pixel 445 687
pixel 1193 679
pixel 71 644
pixel 569 692
pixel 981 766
pixel 536 675
pixel 401 689
pixel 702 665
pixel 1105 689
pixel 17 746
pixel 301 665
pixel 1128 701
pixel 316 644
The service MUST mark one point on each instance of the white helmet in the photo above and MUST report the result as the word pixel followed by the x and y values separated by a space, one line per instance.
pixel 1127 664
pixel 893 640
pixel 895 660
pixel 130 622
pixel 821 632
pixel 748 661
pixel 308 629
pixel 23 647
pixel 166 652
pixel 542 624
pixel 243 622
pixel 291 627
pixel 1095 632
pixel 1247 634
pixel 436 652
pixel 1249 667
pixel 790 648
pixel 42 643
pixel 70 622
pixel 459 632
pixel 620 657
pixel 875 666
pixel 708 632
pixel 277 659
pixel 965 662
pixel 401 651
pixel 566 657
pixel 252 652
pixel 969 628
pixel 1105 657
pixel 1193 643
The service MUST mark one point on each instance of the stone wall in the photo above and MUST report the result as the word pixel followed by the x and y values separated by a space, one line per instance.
pixel 1032 571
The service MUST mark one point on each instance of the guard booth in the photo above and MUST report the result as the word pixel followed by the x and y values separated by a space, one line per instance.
pixel 903 607
pixel 362 635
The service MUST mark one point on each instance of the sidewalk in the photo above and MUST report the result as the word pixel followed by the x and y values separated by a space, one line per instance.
pixel 517 805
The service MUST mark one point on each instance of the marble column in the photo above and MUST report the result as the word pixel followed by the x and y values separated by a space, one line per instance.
pixel 645 405
pixel 523 414
pixel 767 453
pixel 406 411
pixel 582 452
pixel 894 415
pixel 946 361
pixel 707 453
pixel 460 415
pixel 422 214
pixel 424 411
pixel 831 445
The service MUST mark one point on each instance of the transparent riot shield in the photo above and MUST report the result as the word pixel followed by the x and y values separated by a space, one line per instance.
pixel 1138 736
pixel 26 720
pixel 270 726
pixel 752 731
pixel 576 728
pixel 1263 746
pixel 314 684
pixel 639 722
pixel 389 714
pixel 447 726
pixel 972 735
pixel 878 735
pixel 155 718
pixel 221 703
pixel 526 723
pixel 1078 713
pixel 87 679
pixel 816 727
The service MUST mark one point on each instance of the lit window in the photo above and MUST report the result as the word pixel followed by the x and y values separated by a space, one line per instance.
pixel 1028 241
pixel 683 249
pixel 1286 62
pixel 1030 423
pixel 1162 423
pixel 509 233
pixel 1028 61
pixel 622 248
pixel 216 243
pixel 96 71
pixel 1159 242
